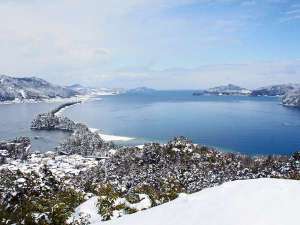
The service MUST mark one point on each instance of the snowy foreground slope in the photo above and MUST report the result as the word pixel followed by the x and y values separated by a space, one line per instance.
pixel 249 202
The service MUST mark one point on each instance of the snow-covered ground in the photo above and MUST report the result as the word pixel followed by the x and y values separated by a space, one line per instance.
pixel 60 165
pixel 248 202
pixel 107 137
pixel 89 209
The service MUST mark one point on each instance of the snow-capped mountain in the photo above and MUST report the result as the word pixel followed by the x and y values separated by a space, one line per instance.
pixel 31 88
pixel 275 90
pixel 84 90
pixel 229 89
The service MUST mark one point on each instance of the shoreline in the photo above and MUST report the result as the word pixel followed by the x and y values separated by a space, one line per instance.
pixel 106 137
pixel 52 100
pixel 80 132
pixel 82 98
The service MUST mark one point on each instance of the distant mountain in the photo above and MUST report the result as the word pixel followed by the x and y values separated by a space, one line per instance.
pixel 290 93
pixel 199 92
pixel 275 90
pixel 30 88
pixel 140 90
pixel 83 90
pixel 229 89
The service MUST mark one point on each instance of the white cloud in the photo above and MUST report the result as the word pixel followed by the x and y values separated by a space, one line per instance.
pixel 250 75
pixel 90 40
pixel 88 33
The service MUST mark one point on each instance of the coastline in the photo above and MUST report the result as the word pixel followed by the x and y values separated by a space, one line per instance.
pixel 82 98
pixel 105 137
pixel 60 122
pixel 52 100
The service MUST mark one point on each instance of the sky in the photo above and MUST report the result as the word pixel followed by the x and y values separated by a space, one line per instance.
pixel 164 44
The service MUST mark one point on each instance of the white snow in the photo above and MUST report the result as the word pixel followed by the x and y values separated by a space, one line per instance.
pixel 21 180
pixel 87 209
pixel 108 137
pixel 145 203
pixel 27 148
pixel 22 92
pixel 249 202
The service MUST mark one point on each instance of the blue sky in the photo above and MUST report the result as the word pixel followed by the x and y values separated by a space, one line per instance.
pixel 158 43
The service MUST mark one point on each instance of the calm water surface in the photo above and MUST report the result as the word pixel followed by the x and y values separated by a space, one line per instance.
pixel 253 125
pixel 15 121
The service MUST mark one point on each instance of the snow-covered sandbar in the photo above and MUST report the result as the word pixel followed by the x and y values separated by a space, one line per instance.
pixel 108 137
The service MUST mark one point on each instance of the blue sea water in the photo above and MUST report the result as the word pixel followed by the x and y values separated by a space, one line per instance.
pixel 251 125
pixel 16 119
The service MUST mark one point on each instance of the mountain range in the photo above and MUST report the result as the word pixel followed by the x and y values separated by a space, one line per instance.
pixel 289 93
pixel 275 90
pixel 140 90
pixel 230 89
pixel 31 88
pixel 14 89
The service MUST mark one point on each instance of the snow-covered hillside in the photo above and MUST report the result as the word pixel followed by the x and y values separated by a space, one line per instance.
pixel 30 88
pixel 91 91
pixel 292 98
pixel 229 89
pixel 248 202
pixel 275 90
